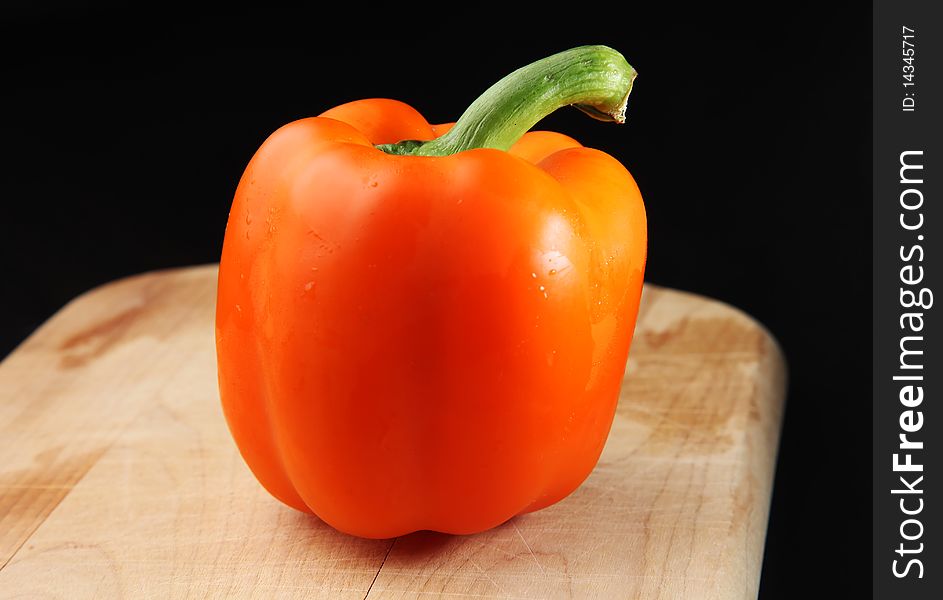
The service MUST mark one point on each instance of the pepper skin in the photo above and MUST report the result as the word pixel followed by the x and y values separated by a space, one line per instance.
pixel 424 342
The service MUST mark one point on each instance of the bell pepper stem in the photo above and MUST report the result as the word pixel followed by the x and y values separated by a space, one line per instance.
pixel 595 79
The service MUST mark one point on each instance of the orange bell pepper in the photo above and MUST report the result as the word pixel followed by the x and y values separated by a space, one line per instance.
pixel 425 327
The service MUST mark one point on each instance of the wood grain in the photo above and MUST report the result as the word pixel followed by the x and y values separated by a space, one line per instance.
pixel 118 478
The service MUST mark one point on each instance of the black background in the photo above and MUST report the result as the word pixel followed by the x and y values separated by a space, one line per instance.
pixel 748 133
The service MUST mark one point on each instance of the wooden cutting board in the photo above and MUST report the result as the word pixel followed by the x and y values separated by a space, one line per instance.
pixel 118 477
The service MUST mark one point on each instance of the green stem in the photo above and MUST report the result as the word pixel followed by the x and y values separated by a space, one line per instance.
pixel 595 79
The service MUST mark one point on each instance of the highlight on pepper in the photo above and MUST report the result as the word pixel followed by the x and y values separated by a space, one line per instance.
pixel 426 326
